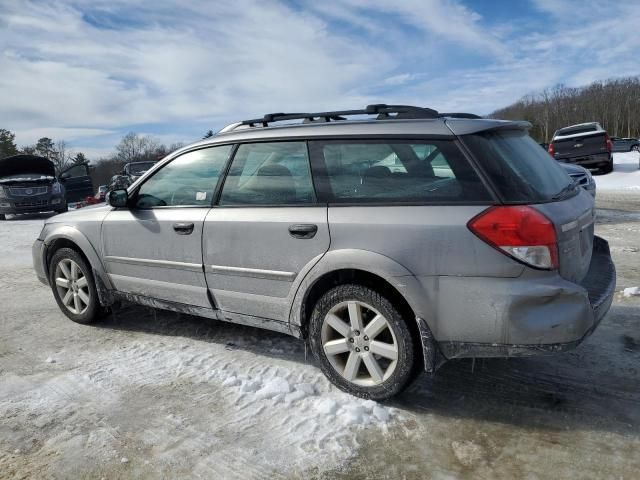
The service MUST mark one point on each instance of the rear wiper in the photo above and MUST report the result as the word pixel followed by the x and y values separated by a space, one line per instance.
pixel 565 190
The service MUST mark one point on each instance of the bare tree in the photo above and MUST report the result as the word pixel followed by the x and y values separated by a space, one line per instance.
pixel 136 148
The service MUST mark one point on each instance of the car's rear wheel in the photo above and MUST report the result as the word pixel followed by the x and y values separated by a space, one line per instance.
pixel 608 168
pixel 73 286
pixel 635 148
pixel 2 216
pixel 362 342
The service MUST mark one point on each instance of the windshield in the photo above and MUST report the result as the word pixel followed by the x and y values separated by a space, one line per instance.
pixel 140 168
pixel 520 170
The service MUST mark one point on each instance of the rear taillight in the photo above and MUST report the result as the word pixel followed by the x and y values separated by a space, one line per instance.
pixel 608 142
pixel 551 150
pixel 519 231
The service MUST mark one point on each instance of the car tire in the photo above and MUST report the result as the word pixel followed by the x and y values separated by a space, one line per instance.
pixel 608 168
pixel 2 217
pixel 362 343
pixel 635 148
pixel 74 287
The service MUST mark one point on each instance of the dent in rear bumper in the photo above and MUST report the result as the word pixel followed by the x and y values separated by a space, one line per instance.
pixel 38 252
pixel 536 313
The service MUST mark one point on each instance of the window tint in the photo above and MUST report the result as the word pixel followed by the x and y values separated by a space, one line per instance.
pixel 376 171
pixel 189 180
pixel 269 174
pixel 519 168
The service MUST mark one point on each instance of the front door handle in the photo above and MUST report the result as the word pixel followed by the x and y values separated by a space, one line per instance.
pixel 304 230
pixel 183 228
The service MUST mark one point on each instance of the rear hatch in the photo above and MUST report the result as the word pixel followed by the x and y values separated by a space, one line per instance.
pixel 524 174
pixel 580 145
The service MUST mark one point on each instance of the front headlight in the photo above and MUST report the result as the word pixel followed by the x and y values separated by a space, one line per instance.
pixel 3 192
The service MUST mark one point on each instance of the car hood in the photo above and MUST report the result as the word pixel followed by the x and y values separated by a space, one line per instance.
pixel 92 212
pixel 26 165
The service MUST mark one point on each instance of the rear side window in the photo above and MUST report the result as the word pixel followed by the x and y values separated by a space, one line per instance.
pixel 520 170
pixel 269 174
pixel 396 171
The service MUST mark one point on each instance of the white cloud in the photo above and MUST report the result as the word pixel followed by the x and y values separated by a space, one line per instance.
pixel 88 71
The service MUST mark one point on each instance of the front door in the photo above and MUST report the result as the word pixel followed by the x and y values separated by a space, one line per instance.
pixel 77 183
pixel 266 230
pixel 154 247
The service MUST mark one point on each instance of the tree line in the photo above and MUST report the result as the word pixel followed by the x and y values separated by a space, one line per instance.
pixel 615 104
pixel 133 147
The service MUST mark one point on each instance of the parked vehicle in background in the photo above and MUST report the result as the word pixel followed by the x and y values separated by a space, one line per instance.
pixel 389 244
pixel 77 183
pixel 585 144
pixel 581 176
pixel 28 184
pixel 101 194
pixel 625 144
pixel 130 173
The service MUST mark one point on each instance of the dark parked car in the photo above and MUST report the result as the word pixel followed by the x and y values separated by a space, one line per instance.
pixel 28 184
pixel 625 144
pixel 586 144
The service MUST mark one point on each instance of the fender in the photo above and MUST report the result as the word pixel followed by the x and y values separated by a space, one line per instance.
pixel 74 235
pixel 396 274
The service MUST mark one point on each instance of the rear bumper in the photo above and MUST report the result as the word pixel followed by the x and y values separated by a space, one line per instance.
pixel 589 161
pixel 546 316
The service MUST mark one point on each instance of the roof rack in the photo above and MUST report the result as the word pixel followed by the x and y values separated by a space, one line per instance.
pixel 383 112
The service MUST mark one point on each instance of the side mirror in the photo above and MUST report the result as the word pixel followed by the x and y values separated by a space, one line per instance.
pixel 118 198
pixel 64 176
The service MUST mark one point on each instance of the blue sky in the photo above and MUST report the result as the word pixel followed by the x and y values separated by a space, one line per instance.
pixel 88 71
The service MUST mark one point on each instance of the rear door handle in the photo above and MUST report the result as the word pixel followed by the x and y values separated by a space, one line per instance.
pixel 183 228
pixel 303 230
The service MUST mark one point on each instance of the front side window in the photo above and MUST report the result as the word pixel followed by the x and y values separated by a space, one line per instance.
pixel 397 171
pixel 76 171
pixel 188 180
pixel 269 174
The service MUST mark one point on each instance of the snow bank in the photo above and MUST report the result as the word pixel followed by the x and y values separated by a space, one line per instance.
pixel 631 292
pixel 625 175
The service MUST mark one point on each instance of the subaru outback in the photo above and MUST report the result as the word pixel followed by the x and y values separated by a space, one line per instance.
pixel 391 239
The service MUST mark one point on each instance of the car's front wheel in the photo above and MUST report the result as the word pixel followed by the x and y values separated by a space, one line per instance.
pixel 362 342
pixel 73 286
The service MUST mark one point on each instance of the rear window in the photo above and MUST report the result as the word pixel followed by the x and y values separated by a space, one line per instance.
pixel 519 169
pixel 575 130
pixel 374 171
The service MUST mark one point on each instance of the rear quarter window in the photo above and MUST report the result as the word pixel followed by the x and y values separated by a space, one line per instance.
pixel 397 171
pixel 519 169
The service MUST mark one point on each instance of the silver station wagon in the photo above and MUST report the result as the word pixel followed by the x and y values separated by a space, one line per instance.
pixel 391 239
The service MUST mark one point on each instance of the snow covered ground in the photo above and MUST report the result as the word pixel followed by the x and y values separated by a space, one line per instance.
pixel 625 175
pixel 153 394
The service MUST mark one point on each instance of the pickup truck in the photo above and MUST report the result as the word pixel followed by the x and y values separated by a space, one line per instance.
pixel 586 144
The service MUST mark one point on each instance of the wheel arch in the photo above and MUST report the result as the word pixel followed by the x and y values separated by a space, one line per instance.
pixel 69 237
pixel 372 269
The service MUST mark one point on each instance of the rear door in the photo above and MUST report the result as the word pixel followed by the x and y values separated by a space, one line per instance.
pixel 77 183
pixel 266 230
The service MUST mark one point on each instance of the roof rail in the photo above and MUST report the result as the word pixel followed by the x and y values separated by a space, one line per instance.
pixel 382 112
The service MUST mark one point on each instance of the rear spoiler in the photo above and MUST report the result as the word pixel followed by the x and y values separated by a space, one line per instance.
pixel 466 127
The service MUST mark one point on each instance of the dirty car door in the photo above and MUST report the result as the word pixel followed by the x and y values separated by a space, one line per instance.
pixel 154 248
pixel 265 231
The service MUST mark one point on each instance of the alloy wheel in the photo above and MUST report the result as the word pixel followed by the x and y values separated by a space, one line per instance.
pixel 72 286
pixel 359 343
